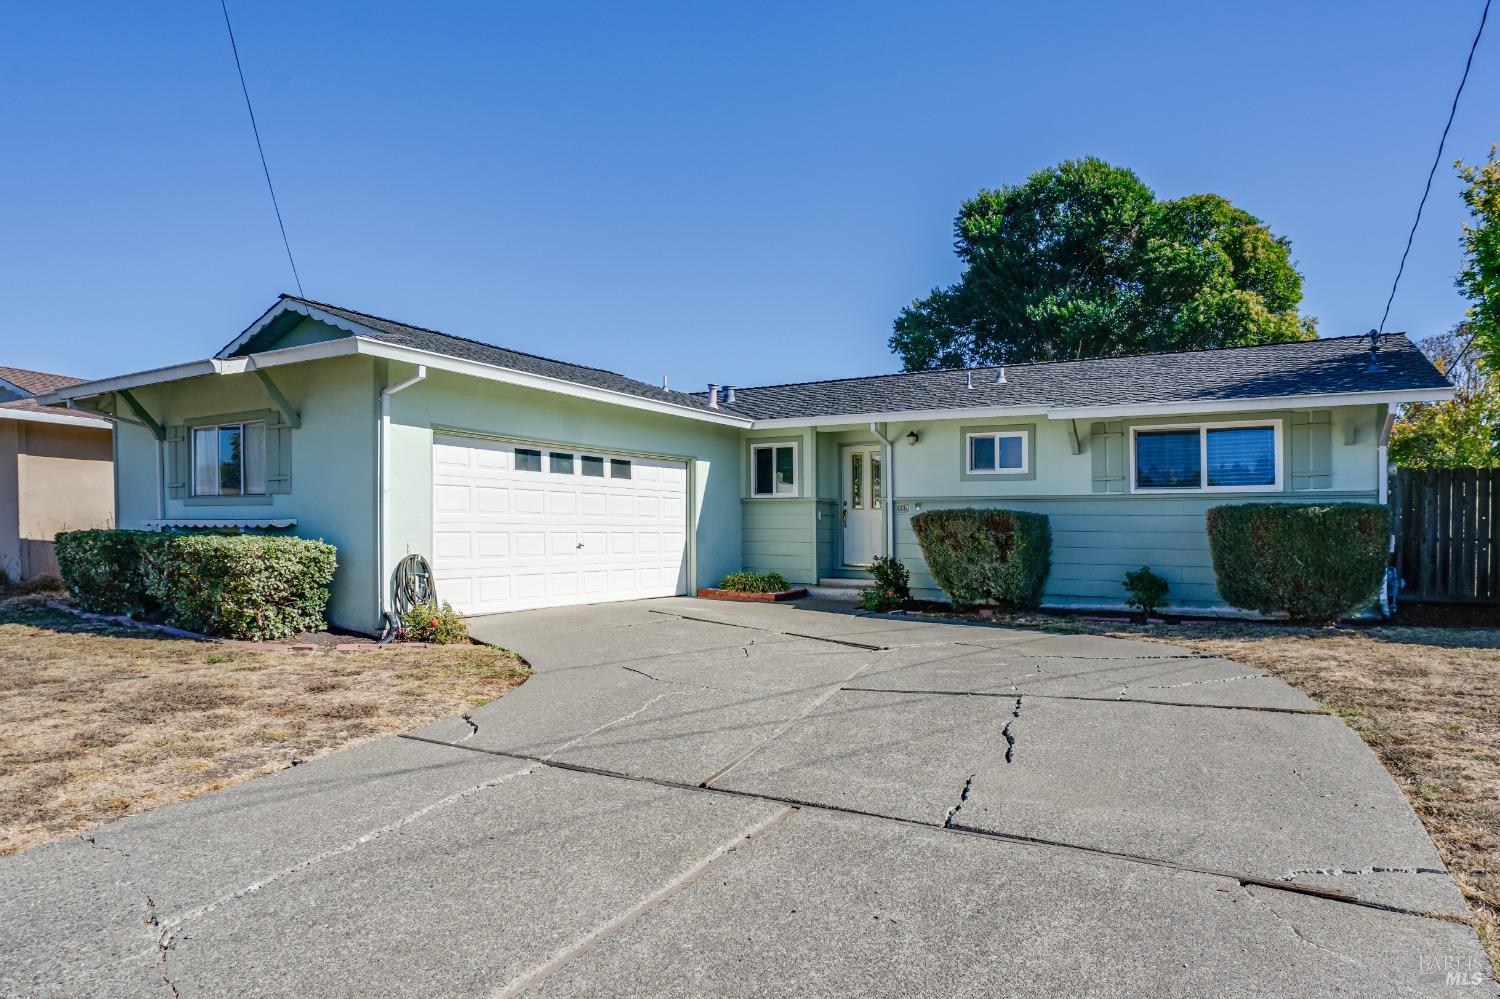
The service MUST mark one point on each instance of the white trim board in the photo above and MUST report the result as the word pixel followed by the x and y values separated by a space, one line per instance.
pixel 31 416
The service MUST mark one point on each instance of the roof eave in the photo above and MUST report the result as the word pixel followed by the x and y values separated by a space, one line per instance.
pixel 31 416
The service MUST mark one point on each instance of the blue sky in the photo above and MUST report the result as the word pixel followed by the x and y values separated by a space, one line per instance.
pixel 742 194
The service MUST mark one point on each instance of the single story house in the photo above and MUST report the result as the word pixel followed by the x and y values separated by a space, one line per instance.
pixel 54 473
pixel 530 482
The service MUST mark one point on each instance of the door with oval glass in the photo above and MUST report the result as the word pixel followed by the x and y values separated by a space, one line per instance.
pixel 863 503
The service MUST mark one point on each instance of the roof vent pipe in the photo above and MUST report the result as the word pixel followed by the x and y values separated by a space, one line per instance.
pixel 729 395
pixel 713 395
pixel 664 388
pixel 1000 376
pixel 970 381
pixel 1374 367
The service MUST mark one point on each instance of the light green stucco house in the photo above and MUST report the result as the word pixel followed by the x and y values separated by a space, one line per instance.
pixel 530 482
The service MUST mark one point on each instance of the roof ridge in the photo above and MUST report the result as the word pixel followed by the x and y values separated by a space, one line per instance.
pixel 451 336
pixel 1078 360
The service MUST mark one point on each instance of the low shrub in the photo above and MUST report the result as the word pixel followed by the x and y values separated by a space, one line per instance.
pixel 1314 562
pixel 979 556
pixel 892 577
pixel 230 585
pixel 755 582
pixel 875 599
pixel 438 625
pixel 112 571
pixel 1145 590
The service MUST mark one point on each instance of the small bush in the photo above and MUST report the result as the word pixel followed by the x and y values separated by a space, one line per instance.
pixel 892 577
pixel 876 599
pixel 234 586
pixel 245 586
pixel 755 582
pixel 1314 562
pixel 1146 590
pixel 978 556
pixel 439 625
pixel 111 571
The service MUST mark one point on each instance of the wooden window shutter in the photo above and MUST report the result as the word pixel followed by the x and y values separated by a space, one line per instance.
pixel 1312 449
pixel 1107 452
pixel 278 456
pixel 179 462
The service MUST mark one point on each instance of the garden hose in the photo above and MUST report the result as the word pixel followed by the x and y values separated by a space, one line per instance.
pixel 411 584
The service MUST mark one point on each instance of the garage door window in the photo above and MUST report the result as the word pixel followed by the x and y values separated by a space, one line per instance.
pixel 561 463
pixel 619 468
pixel 593 466
pixel 528 460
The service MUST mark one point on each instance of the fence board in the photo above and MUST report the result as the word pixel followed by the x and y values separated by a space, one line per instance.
pixel 1447 533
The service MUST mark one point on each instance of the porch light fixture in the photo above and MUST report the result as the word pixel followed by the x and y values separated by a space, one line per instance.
pixel 912 438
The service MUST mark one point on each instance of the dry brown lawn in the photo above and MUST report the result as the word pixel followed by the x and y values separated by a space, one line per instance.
pixel 1426 700
pixel 97 722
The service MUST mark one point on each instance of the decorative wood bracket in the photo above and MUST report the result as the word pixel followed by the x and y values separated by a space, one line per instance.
pixel 292 417
pixel 1075 439
pixel 140 411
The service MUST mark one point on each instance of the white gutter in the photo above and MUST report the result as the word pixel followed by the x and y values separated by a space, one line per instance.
pixel 155 376
pixel 31 416
pixel 382 462
pixel 890 489
pixel 1249 405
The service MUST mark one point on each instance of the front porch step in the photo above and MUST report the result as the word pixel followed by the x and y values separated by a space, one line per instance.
pixel 843 583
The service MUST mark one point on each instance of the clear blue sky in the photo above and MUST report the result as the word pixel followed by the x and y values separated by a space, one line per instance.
pixel 744 194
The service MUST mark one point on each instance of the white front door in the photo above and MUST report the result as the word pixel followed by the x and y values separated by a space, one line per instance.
pixel 517 526
pixel 863 504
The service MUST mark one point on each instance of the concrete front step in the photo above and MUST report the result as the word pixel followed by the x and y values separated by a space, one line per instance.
pixel 840 582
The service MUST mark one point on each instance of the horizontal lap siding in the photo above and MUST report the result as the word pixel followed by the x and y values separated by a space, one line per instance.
pixel 779 535
pixel 1095 541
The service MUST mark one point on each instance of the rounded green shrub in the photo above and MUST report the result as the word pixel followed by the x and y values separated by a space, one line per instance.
pixel 112 571
pixel 439 625
pixel 1314 562
pixel 1145 590
pixel 755 582
pixel 986 556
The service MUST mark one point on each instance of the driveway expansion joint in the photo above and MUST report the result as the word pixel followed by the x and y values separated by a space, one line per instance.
pixel 772 631
pixel 1007 695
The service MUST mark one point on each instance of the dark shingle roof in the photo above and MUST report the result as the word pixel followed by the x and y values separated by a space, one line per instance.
pixel 417 338
pixel 30 406
pixel 1309 367
pixel 36 382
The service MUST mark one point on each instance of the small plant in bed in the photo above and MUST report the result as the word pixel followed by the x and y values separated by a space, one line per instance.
pixel 1146 591
pixel 755 582
pixel 892 587
pixel 435 625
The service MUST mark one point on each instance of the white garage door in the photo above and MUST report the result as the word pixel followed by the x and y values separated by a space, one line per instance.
pixel 517 526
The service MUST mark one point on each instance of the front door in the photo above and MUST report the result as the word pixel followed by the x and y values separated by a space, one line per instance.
pixel 863 504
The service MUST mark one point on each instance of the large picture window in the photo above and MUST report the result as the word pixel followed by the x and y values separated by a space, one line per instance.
pixel 774 470
pixel 230 460
pixel 1211 457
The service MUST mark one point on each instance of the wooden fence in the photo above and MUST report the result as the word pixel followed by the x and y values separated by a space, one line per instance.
pixel 1447 533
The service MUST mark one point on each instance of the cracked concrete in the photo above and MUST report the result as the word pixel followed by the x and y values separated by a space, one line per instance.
pixel 823 853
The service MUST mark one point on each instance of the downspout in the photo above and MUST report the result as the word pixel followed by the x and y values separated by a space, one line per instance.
pixel 1382 472
pixel 383 460
pixel 890 489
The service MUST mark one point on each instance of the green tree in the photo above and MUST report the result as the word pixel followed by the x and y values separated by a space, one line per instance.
pixel 1082 260
pixel 1461 433
pixel 1480 278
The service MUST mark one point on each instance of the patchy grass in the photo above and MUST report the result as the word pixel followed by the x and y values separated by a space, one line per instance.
pixel 1426 700
pixel 97 722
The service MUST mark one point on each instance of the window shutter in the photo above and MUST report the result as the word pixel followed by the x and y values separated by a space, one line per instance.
pixel 179 462
pixel 1312 449
pixel 1107 452
pixel 278 456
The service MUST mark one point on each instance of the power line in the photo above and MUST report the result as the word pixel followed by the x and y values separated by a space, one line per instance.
pixel 1433 172
pixel 256 129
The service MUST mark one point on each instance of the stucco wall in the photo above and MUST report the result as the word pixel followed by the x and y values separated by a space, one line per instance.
pixel 64 483
pixel 447 401
pixel 10 510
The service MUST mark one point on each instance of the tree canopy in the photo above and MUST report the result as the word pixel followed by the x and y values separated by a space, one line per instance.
pixel 1463 432
pixel 1082 260
pixel 1480 278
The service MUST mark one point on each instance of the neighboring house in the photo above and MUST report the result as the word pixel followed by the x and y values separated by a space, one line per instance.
pixel 54 473
pixel 530 482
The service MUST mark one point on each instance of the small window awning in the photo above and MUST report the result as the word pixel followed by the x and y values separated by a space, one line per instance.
pixel 157 525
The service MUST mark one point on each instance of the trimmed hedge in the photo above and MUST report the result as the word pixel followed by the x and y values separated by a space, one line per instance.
pixel 234 586
pixel 979 556
pixel 1313 562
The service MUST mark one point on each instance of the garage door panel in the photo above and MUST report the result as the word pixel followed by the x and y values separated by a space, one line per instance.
pixel 562 526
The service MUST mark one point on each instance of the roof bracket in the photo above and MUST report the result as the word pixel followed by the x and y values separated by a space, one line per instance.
pixel 292 417
pixel 1075 439
pixel 140 411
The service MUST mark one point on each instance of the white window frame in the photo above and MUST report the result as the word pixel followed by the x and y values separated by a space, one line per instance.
pixel 796 470
pixel 1203 486
pixel 1022 435
pixel 192 433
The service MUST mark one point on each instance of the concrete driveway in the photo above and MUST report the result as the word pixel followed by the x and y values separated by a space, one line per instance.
pixel 694 798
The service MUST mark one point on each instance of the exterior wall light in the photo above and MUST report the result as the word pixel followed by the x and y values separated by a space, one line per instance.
pixel 912 438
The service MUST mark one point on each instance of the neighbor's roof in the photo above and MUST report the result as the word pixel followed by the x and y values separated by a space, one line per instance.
pixel 418 338
pixel 36 382
pixel 1328 366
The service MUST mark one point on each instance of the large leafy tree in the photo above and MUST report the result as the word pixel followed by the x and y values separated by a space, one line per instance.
pixel 1480 278
pixel 1463 432
pixel 1082 260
